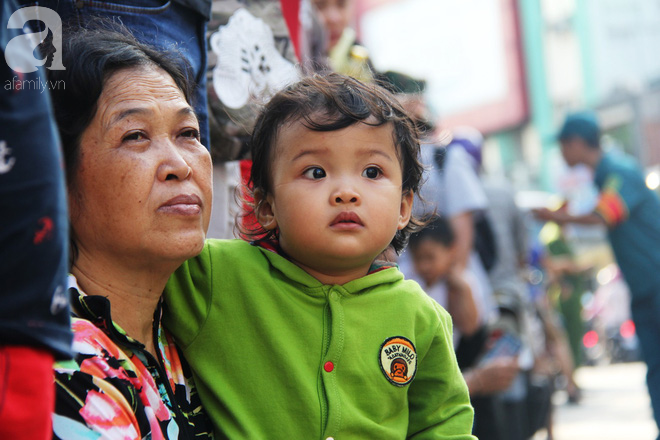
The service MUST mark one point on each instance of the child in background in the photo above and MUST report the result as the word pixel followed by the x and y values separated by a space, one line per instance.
pixel 303 333
pixel 433 251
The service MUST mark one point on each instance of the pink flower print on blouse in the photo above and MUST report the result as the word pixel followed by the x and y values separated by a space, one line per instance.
pixel 110 362
pixel 108 412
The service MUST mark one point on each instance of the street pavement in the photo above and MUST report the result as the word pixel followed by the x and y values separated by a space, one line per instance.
pixel 614 406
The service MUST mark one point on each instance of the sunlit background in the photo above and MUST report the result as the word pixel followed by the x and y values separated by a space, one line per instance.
pixel 513 69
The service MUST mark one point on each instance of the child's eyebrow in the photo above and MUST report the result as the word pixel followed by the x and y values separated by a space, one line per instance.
pixel 375 152
pixel 367 152
pixel 310 152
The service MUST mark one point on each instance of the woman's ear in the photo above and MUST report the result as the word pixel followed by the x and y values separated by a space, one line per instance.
pixel 406 209
pixel 264 210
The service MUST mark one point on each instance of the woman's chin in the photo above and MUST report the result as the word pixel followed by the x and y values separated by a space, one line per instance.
pixel 186 245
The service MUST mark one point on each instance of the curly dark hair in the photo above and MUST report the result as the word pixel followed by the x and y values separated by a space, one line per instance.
pixel 329 102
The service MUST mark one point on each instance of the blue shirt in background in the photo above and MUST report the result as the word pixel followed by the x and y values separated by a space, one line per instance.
pixel 632 213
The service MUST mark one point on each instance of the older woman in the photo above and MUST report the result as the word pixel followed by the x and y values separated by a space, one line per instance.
pixel 139 186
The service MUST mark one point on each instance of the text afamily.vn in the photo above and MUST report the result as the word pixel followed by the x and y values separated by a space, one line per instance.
pixel 16 84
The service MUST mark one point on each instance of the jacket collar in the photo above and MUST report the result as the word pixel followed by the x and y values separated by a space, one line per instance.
pixel 380 271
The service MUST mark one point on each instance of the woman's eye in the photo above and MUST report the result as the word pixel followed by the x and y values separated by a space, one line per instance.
pixel 192 133
pixel 314 173
pixel 134 136
pixel 371 173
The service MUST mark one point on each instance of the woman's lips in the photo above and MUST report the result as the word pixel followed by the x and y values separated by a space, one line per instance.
pixel 184 204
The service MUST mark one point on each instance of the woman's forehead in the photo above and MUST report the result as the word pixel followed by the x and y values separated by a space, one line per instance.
pixel 135 89
pixel 139 82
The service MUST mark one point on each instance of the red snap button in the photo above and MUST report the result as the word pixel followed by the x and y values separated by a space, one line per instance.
pixel 329 366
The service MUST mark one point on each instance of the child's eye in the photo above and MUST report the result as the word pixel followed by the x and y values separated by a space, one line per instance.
pixel 314 173
pixel 372 173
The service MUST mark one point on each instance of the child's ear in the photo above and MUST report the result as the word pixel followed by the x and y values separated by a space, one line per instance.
pixel 263 210
pixel 406 209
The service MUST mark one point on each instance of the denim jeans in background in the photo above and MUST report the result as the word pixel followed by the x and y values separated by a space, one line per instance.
pixel 165 24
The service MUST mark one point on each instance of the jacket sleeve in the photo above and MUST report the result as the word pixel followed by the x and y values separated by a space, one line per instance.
pixel 438 397
pixel 188 296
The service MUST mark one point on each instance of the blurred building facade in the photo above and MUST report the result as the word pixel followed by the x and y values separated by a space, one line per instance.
pixel 513 68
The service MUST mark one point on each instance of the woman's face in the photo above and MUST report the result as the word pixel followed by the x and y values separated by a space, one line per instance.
pixel 142 191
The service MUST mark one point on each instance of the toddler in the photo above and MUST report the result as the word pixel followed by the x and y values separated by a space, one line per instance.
pixel 302 333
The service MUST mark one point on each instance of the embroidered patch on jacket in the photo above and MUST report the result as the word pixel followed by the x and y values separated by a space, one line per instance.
pixel 398 360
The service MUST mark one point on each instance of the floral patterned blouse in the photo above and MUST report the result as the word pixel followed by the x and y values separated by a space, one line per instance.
pixel 115 389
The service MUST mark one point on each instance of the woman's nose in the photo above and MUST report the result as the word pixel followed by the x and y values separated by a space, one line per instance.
pixel 173 165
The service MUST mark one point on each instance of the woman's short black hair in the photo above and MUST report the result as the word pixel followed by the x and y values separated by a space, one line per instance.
pixel 329 102
pixel 90 55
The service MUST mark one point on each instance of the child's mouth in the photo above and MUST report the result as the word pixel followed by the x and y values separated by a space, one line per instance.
pixel 347 219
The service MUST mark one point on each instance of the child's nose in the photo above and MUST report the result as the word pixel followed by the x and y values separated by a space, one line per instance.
pixel 345 195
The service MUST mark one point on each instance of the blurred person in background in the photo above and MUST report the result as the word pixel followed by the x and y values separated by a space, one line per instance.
pixel 433 254
pixel 510 292
pixel 34 318
pixel 567 280
pixel 451 188
pixel 522 409
pixel 336 17
pixel 630 211
pixel 345 54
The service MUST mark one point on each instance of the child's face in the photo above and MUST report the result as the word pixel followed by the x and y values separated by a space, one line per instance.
pixel 336 198
pixel 432 260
